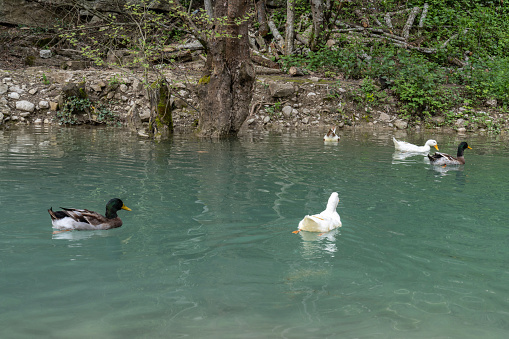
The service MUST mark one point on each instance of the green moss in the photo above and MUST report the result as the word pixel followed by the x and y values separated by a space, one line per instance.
pixel 30 60
pixel 204 80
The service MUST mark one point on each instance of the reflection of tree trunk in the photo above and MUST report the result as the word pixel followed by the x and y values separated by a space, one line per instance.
pixel 226 88
pixel 318 22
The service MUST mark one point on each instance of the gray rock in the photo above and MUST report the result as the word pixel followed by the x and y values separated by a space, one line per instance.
pixel 491 103
pixel 45 53
pixel 384 117
pixel 38 121
pixel 281 90
pixel 314 79
pixel 16 88
pixel 401 124
pixel 266 119
pixel 287 111
pixel 24 105
pixel 460 122
pixel 305 120
pixel 3 89
pixel 33 91
pixel 311 94
pixel 123 88
pixel 13 95
pixel 250 121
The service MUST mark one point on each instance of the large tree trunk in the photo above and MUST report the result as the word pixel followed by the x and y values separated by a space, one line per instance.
pixel 317 9
pixel 226 88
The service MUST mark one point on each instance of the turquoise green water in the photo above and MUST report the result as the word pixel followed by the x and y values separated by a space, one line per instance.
pixel 208 249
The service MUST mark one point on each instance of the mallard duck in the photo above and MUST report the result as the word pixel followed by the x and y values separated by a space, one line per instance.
pixel 331 136
pixel 404 146
pixel 77 219
pixel 323 222
pixel 446 159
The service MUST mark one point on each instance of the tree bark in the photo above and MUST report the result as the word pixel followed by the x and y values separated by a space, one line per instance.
pixel 318 23
pixel 226 88
pixel 209 9
pixel 290 27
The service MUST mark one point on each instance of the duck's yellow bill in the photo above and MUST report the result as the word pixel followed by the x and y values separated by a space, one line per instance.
pixel 436 147
pixel 124 207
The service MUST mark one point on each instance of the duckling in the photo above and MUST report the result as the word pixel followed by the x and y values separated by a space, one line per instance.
pixel 81 219
pixel 446 159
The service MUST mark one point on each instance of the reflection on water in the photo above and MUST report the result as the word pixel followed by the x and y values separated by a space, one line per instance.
pixel 208 249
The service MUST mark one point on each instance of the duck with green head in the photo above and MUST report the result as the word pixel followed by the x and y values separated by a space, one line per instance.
pixel 81 219
pixel 442 159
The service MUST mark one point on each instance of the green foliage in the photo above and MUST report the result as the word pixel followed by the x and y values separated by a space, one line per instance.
pixel 45 80
pixel 489 79
pixel 71 107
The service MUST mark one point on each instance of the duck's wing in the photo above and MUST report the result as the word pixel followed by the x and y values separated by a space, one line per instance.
pixel 84 215
pixel 442 159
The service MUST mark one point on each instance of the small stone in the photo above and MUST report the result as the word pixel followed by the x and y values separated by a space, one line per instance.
pixel 462 130
pixel 46 121
pixel 38 121
pixel 281 90
pixel 266 119
pixel 43 104
pixel 33 91
pixel 13 95
pixel 53 106
pixel 491 103
pixel 16 88
pixel 460 122
pixel 45 53
pixel 123 88
pixel 3 89
pixel 250 121
pixel 314 79
pixel 287 111
pixel 311 94
pixel 305 120
pixel 96 88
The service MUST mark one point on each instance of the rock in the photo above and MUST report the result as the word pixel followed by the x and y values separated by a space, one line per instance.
pixel 24 114
pixel 491 103
pixel 123 88
pixel 287 111
pixel 13 95
pixel 384 117
pixel 281 90
pixel 266 119
pixel 3 89
pixel 1 117
pixel 438 120
pixel 460 122
pixel 24 105
pixel 462 130
pixel 314 79
pixel 16 88
pixel 401 124
pixel 45 53
pixel 250 121
pixel 33 91
pixel 46 121
pixel 43 104
pixel 311 94
pixel 96 88
pixel 38 121
pixel 53 106
pixel 305 120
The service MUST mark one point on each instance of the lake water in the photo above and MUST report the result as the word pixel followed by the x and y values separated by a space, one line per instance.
pixel 208 251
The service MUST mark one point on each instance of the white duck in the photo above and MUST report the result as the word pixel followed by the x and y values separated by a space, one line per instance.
pixel 404 146
pixel 331 136
pixel 323 222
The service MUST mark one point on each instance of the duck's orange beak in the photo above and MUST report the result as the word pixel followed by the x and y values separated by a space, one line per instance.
pixel 436 146
pixel 124 207
pixel 469 147
pixel 295 232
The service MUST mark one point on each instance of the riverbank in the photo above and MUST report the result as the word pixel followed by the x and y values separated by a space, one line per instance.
pixel 33 95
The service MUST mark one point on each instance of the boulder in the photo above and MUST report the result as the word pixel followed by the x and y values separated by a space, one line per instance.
pixel 3 89
pixel 281 90
pixel 287 111
pixel 45 53
pixel 401 124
